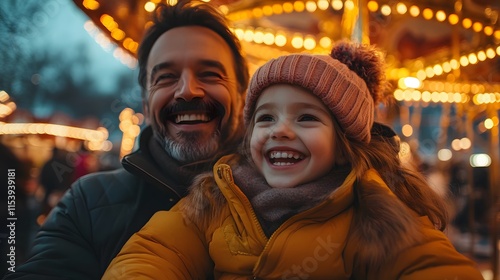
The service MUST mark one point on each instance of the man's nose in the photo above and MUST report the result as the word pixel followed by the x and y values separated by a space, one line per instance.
pixel 189 87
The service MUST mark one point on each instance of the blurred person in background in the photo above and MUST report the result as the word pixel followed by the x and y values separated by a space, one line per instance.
pixel 56 176
pixel 60 171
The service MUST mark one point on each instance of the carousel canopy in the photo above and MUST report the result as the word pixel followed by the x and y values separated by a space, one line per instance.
pixel 451 49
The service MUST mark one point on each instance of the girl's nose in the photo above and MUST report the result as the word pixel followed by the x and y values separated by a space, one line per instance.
pixel 282 130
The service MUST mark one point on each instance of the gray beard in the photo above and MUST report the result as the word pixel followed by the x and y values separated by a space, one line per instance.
pixel 190 149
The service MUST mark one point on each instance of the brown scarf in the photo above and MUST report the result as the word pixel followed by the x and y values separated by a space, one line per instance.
pixel 273 206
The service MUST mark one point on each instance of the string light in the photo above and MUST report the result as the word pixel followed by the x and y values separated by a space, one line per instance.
pixel 130 126
pixel 97 137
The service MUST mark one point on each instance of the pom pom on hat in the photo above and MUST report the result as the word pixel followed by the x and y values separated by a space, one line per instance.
pixel 365 61
pixel 350 82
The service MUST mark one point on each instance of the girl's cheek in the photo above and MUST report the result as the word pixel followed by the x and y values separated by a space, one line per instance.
pixel 257 141
pixel 260 136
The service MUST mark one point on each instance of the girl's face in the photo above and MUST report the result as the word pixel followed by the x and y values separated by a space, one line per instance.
pixel 293 139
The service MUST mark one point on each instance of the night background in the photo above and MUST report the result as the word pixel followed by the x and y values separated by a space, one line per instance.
pixel 56 72
pixel 61 64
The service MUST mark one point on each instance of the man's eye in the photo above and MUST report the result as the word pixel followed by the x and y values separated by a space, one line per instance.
pixel 164 78
pixel 210 75
pixel 307 118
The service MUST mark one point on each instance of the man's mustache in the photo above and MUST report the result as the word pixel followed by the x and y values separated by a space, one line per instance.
pixel 212 108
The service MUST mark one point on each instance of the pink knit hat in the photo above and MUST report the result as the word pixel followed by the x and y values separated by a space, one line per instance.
pixel 340 80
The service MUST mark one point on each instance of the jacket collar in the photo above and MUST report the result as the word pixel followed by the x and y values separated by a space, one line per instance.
pixel 382 225
pixel 142 164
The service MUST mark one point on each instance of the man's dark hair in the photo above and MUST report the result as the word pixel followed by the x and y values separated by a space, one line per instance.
pixel 191 13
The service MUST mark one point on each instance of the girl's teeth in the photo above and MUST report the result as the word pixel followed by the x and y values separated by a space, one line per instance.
pixel 285 155
pixel 282 163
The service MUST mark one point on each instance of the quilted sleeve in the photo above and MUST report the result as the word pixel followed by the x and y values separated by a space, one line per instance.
pixel 167 247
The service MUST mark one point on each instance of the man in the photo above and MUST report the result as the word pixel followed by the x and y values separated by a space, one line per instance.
pixel 193 78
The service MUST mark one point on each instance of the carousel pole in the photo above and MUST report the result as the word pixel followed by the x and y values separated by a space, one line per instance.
pixel 416 120
pixel 470 115
pixel 355 22
pixel 492 112
pixel 469 126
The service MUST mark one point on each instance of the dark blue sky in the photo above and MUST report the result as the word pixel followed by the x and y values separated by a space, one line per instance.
pixel 61 26
pixel 53 66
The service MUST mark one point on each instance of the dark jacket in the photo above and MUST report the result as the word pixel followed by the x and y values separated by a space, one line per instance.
pixel 95 218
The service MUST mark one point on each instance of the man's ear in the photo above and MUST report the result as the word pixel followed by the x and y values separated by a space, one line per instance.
pixel 145 109
pixel 241 105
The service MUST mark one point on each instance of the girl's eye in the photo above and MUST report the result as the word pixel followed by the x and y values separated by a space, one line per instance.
pixel 264 118
pixel 307 118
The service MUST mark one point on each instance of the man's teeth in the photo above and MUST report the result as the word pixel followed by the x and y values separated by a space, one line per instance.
pixel 276 155
pixel 191 117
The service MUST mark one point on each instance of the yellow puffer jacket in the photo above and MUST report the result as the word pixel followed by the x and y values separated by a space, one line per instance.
pixel 337 239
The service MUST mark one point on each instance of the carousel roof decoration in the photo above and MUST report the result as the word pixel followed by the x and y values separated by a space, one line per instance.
pixel 452 48
pixel 439 52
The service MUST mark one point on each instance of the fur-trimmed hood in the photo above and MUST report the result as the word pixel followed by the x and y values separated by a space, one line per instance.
pixel 381 226
pixel 359 231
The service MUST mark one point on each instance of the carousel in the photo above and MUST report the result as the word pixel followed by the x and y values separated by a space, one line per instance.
pixel 443 61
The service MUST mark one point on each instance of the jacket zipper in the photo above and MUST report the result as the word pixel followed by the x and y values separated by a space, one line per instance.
pixel 284 225
pixel 249 206
pixel 242 198
pixel 155 178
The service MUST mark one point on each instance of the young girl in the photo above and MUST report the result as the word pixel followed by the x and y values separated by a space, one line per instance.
pixel 317 192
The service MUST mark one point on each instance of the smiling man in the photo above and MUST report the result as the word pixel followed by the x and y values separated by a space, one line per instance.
pixel 193 77
pixel 193 99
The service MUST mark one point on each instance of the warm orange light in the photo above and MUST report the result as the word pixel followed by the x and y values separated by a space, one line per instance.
pixel 149 6
pixel 372 6
pixel 298 6
pixel 427 13
pixel 108 22
pixel 477 26
pixel 440 15
pixel 466 23
pixel 414 11
pixel 118 34
pixel 488 30
pixel 453 19
pixel 90 4
pixel 401 8
pixel 267 10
